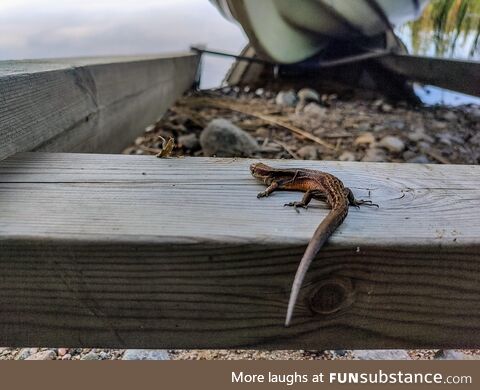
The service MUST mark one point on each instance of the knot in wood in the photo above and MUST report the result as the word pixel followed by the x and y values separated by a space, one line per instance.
pixel 331 295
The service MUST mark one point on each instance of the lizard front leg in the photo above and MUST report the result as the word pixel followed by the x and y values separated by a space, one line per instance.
pixel 303 203
pixel 272 187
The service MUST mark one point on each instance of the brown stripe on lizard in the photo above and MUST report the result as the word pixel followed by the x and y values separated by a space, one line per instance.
pixel 316 185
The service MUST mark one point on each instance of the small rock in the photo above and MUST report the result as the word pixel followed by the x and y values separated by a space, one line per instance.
pixel 222 138
pixel 363 127
pixel 422 145
pixel 347 156
pixel 392 144
pixel 62 351
pixel 418 134
pixel 286 98
pixel 314 110
pixel 475 140
pixel 374 155
pixel 91 356
pixel 396 124
pixel 23 354
pixel 145 354
pixel 43 355
pixel 474 114
pixel 67 357
pixel 381 354
pixel 448 139
pixel 139 141
pixel 189 141
pixel 308 152
pixel 408 154
pixel 419 160
pixel 437 125
pixel 449 116
pixel 450 354
pixel 386 108
pixel 260 92
pixel 308 95
pixel 262 132
pixel 364 139
pixel 378 128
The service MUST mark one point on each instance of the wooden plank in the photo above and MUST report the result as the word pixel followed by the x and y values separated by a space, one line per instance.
pixel 456 75
pixel 87 104
pixel 134 251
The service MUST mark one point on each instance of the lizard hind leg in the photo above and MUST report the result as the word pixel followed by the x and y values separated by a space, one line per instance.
pixel 357 202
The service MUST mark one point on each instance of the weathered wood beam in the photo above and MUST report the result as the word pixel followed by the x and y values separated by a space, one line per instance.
pixel 134 251
pixel 87 105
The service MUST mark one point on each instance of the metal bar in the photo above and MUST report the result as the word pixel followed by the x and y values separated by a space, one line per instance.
pixel 456 75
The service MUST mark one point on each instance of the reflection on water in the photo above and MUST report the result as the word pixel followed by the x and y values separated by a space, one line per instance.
pixel 447 28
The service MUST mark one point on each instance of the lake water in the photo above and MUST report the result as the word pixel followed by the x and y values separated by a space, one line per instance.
pixel 54 28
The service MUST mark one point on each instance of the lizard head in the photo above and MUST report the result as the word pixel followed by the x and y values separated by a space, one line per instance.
pixel 261 171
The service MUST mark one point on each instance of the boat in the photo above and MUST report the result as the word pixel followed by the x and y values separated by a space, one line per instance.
pixel 286 32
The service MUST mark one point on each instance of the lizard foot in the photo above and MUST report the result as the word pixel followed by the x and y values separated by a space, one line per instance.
pixel 296 205
pixel 263 194
pixel 359 203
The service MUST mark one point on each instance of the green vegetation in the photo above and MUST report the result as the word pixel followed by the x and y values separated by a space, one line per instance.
pixel 452 25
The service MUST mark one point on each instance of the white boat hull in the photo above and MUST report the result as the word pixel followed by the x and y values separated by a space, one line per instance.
pixel 288 31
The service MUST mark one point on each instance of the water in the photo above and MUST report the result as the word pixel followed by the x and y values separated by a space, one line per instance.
pixel 56 28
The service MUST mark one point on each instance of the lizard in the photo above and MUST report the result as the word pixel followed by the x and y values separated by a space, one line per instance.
pixel 316 185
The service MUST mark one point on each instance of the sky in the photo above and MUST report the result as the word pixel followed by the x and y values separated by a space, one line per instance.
pixel 71 28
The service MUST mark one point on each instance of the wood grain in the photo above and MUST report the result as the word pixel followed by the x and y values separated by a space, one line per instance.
pixel 134 251
pixel 88 104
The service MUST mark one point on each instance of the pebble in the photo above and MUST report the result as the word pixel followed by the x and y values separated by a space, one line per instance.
pixel 364 139
pixel 378 128
pixel 449 116
pixel 307 95
pixel 396 124
pixel 259 92
pixel 392 144
pixel 23 354
pixel 189 141
pixel 386 108
pixel 474 114
pixel 451 354
pixel 314 110
pixel 362 127
pixel 150 128
pixel 308 152
pixel 419 160
pixel 62 351
pixel 374 155
pixel 43 355
pixel 418 134
pixel 67 357
pixel 222 138
pixel 286 98
pixel 91 356
pixel 146 354
pixel 347 156
pixel 437 125
pixel 262 132
pixel 380 354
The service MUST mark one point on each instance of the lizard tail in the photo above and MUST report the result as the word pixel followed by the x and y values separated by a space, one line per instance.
pixel 331 222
